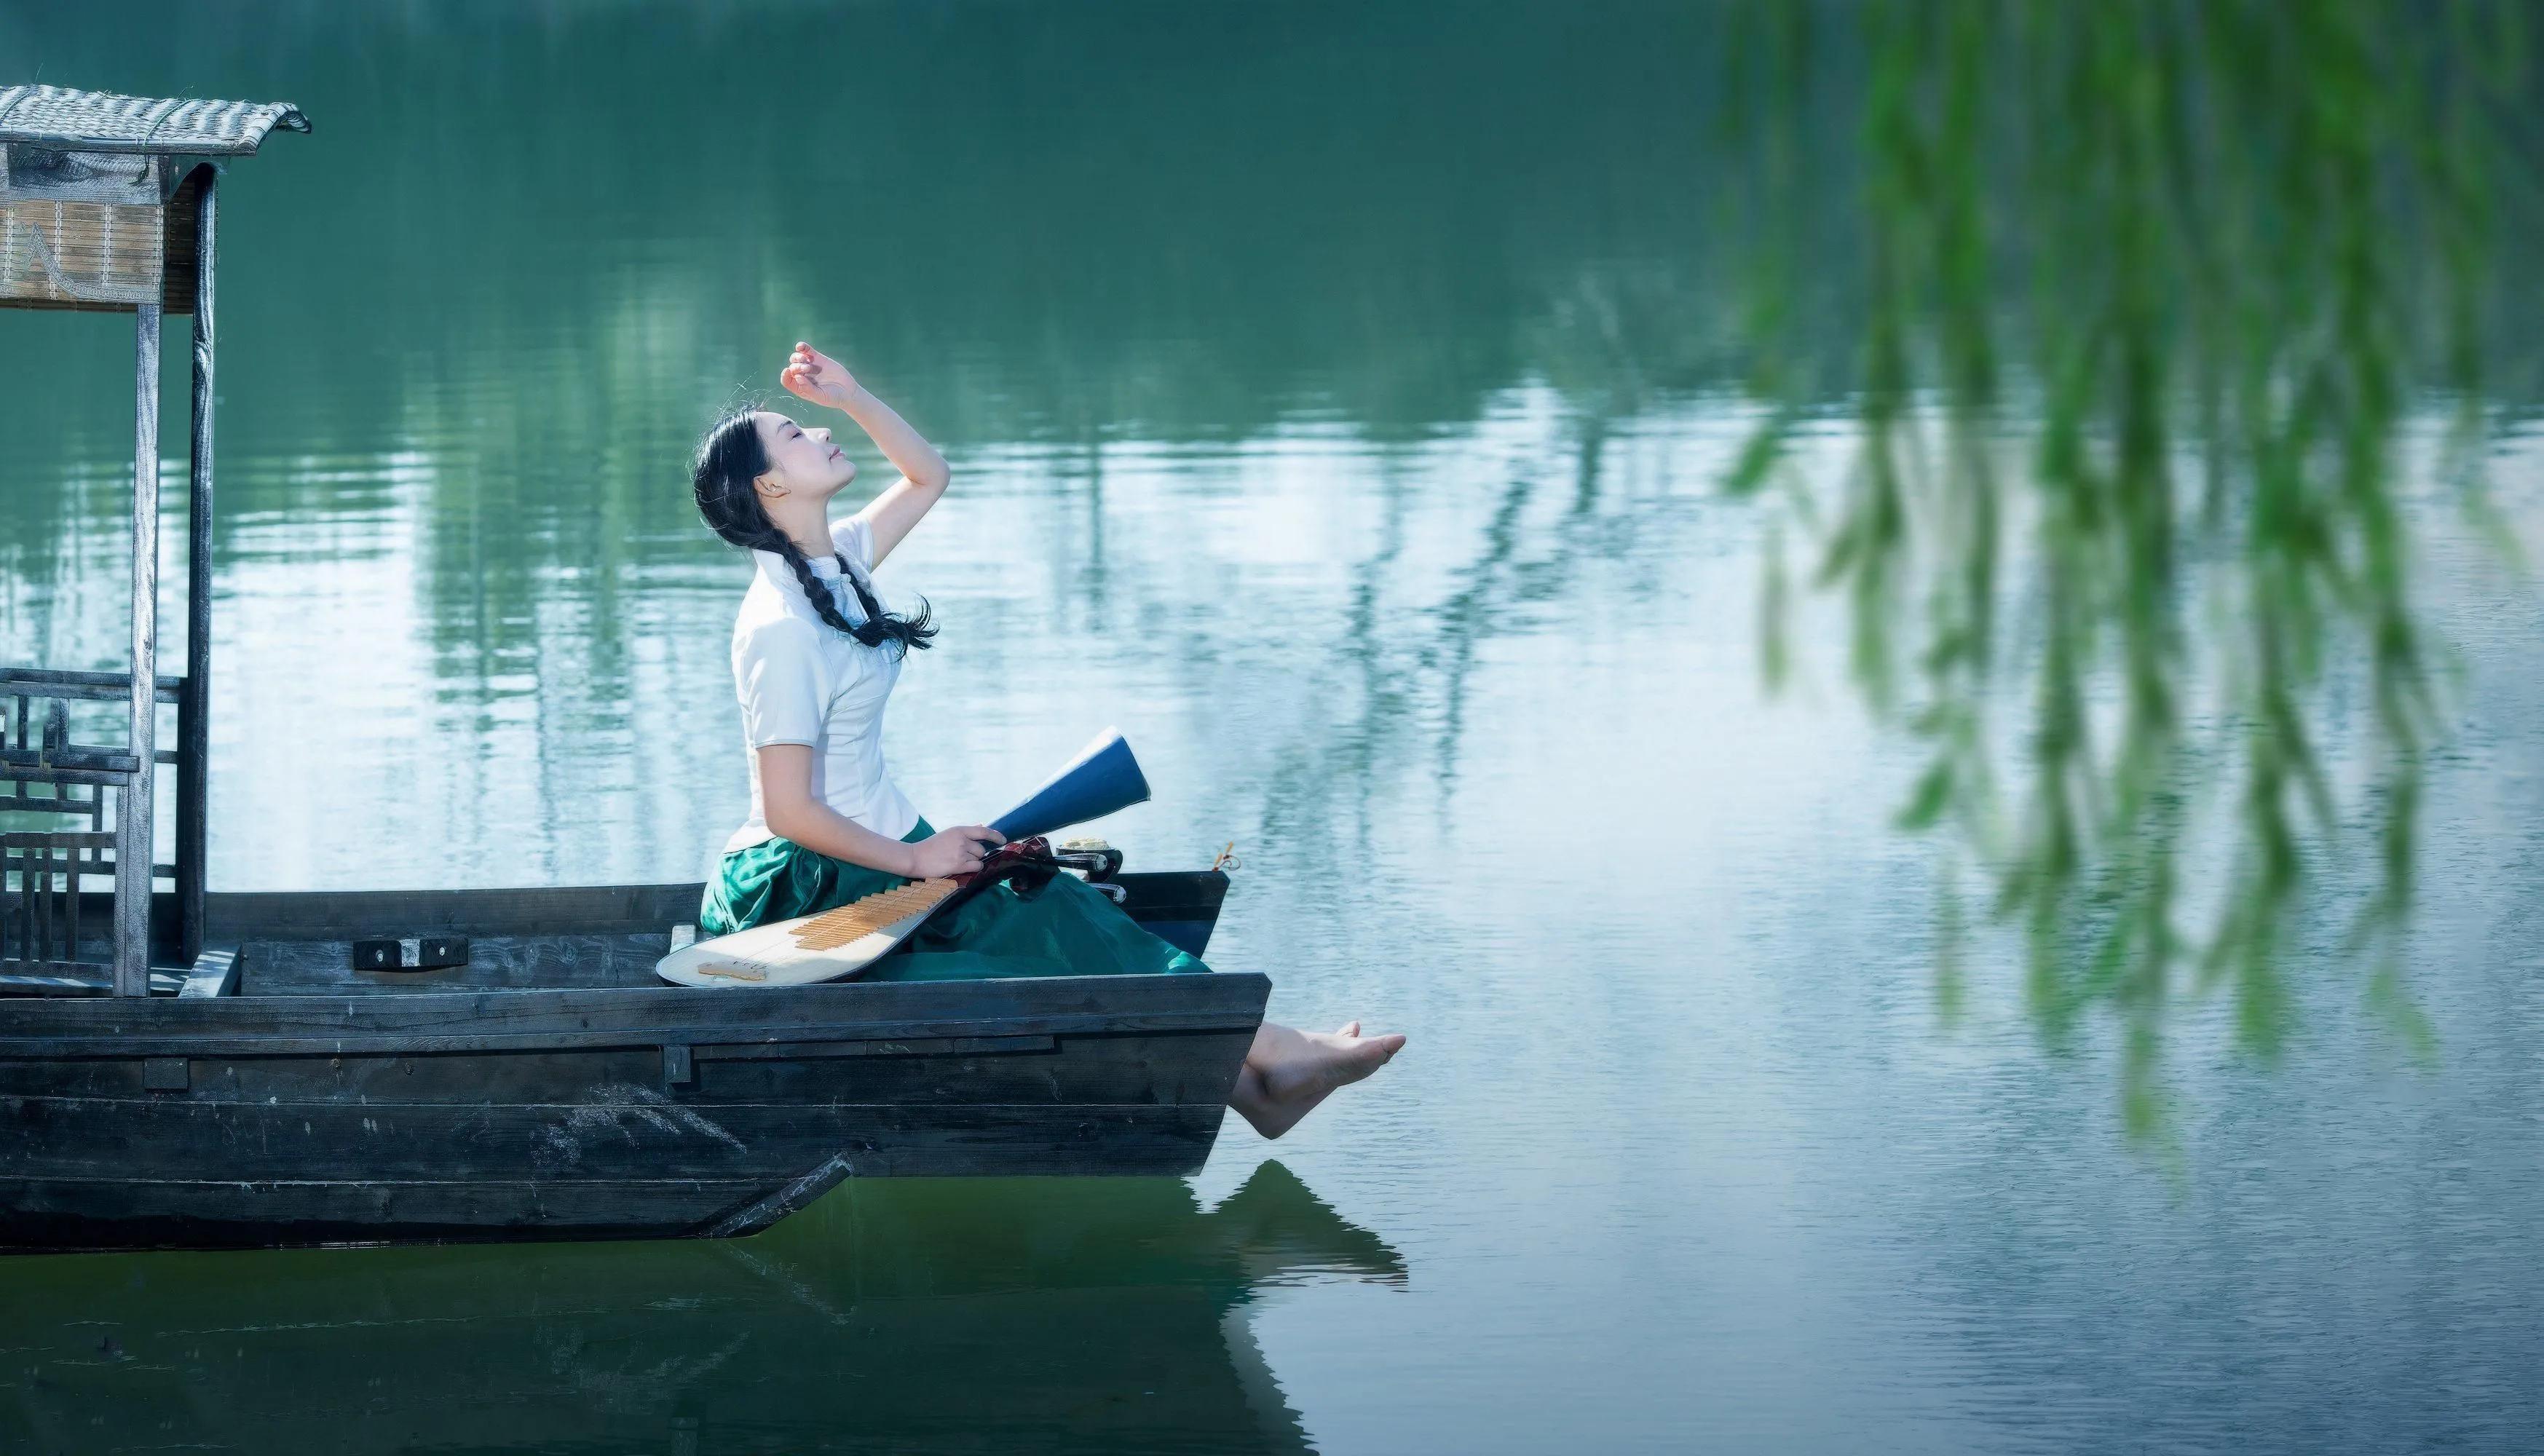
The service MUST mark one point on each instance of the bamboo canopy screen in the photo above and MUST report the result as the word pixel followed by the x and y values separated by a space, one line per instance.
pixel 101 196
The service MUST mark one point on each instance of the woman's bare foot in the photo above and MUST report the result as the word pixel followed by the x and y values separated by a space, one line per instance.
pixel 1298 1065
pixel 1288 1072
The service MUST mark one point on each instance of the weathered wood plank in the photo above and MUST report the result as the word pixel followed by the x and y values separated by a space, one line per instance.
pixel 1174 894
pixel 1183 895
pixel 764 1212
pixel 113 763
pixel 62 978
pixel 622 1133
pixel 503 962
pixel 56 682
pixel 195 704
pixel 656 1036
pixel 1198 1068
pixel 536 910
pixel 236 917
pixel 1183 1067
pixel 74 979
pixel 237 1026
pixel 133 800
pixel 781 1051
pixel 215 973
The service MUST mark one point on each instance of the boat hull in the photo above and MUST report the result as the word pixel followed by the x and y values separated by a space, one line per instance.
pixel 394 1112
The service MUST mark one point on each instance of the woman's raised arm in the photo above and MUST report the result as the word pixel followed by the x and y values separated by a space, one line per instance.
pixel 816 376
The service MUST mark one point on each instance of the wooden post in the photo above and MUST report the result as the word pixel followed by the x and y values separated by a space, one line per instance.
pixel 134 847
pixel 193 704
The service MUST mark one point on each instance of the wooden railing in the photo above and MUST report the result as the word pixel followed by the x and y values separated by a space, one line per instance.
pixel 45 946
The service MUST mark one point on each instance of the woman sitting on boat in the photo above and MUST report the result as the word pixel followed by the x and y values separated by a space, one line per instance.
pixel 815 657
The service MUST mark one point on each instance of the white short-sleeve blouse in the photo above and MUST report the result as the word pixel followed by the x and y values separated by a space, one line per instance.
pixel 801 682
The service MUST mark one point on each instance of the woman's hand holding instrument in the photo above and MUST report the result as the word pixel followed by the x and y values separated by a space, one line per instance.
pixel 950 852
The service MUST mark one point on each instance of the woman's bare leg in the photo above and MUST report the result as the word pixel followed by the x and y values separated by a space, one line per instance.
pixel 1288 1072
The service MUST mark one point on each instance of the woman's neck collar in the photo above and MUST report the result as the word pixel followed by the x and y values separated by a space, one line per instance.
pixel 824 563
pixel 807 524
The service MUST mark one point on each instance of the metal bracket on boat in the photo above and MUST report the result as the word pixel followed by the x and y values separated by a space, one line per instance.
pixel 422 953
pixel 1093 857
pixel 1097 863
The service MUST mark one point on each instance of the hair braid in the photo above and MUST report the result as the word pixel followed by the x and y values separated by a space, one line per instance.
pixel 824 603
pixel 914 632
pixel 729 459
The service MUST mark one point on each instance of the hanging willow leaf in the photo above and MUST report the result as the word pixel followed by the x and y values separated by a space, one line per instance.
pixel 2148 295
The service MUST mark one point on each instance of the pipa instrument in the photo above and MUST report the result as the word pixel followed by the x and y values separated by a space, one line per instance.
pixel 846 939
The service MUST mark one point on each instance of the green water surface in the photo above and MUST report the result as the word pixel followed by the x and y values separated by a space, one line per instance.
pixel 1339 398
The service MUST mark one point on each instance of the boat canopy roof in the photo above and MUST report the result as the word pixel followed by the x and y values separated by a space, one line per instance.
pixel 57 118
pixel 111 203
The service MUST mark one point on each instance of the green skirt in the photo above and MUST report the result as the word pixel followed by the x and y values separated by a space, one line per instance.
pixel 1063 927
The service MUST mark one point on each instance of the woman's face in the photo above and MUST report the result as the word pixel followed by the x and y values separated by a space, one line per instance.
pixel 802 462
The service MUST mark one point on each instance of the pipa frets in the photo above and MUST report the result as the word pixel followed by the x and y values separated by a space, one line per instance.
pixel 857 919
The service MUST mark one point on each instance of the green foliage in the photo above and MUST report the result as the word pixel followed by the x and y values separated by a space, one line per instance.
pixel 2147 292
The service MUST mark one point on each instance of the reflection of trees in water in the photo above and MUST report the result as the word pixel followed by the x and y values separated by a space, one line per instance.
pixel 537 248
pixel 1412 633
pixel 2148 293
pixel 1100 1315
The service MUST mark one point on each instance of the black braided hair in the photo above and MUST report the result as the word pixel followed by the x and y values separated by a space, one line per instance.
pixel 729 459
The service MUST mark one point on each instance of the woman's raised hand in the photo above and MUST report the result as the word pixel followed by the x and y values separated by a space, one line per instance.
pixel 816 376
pixel 956 850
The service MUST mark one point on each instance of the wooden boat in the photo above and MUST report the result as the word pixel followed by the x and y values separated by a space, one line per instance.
pixel 554 1088
pixel 181 1068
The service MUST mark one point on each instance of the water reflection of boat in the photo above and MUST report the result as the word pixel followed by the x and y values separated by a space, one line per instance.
pixel 194 1069
pixel 911 1314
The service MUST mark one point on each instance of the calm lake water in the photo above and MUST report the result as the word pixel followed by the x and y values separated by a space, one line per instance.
pixel 1338 397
